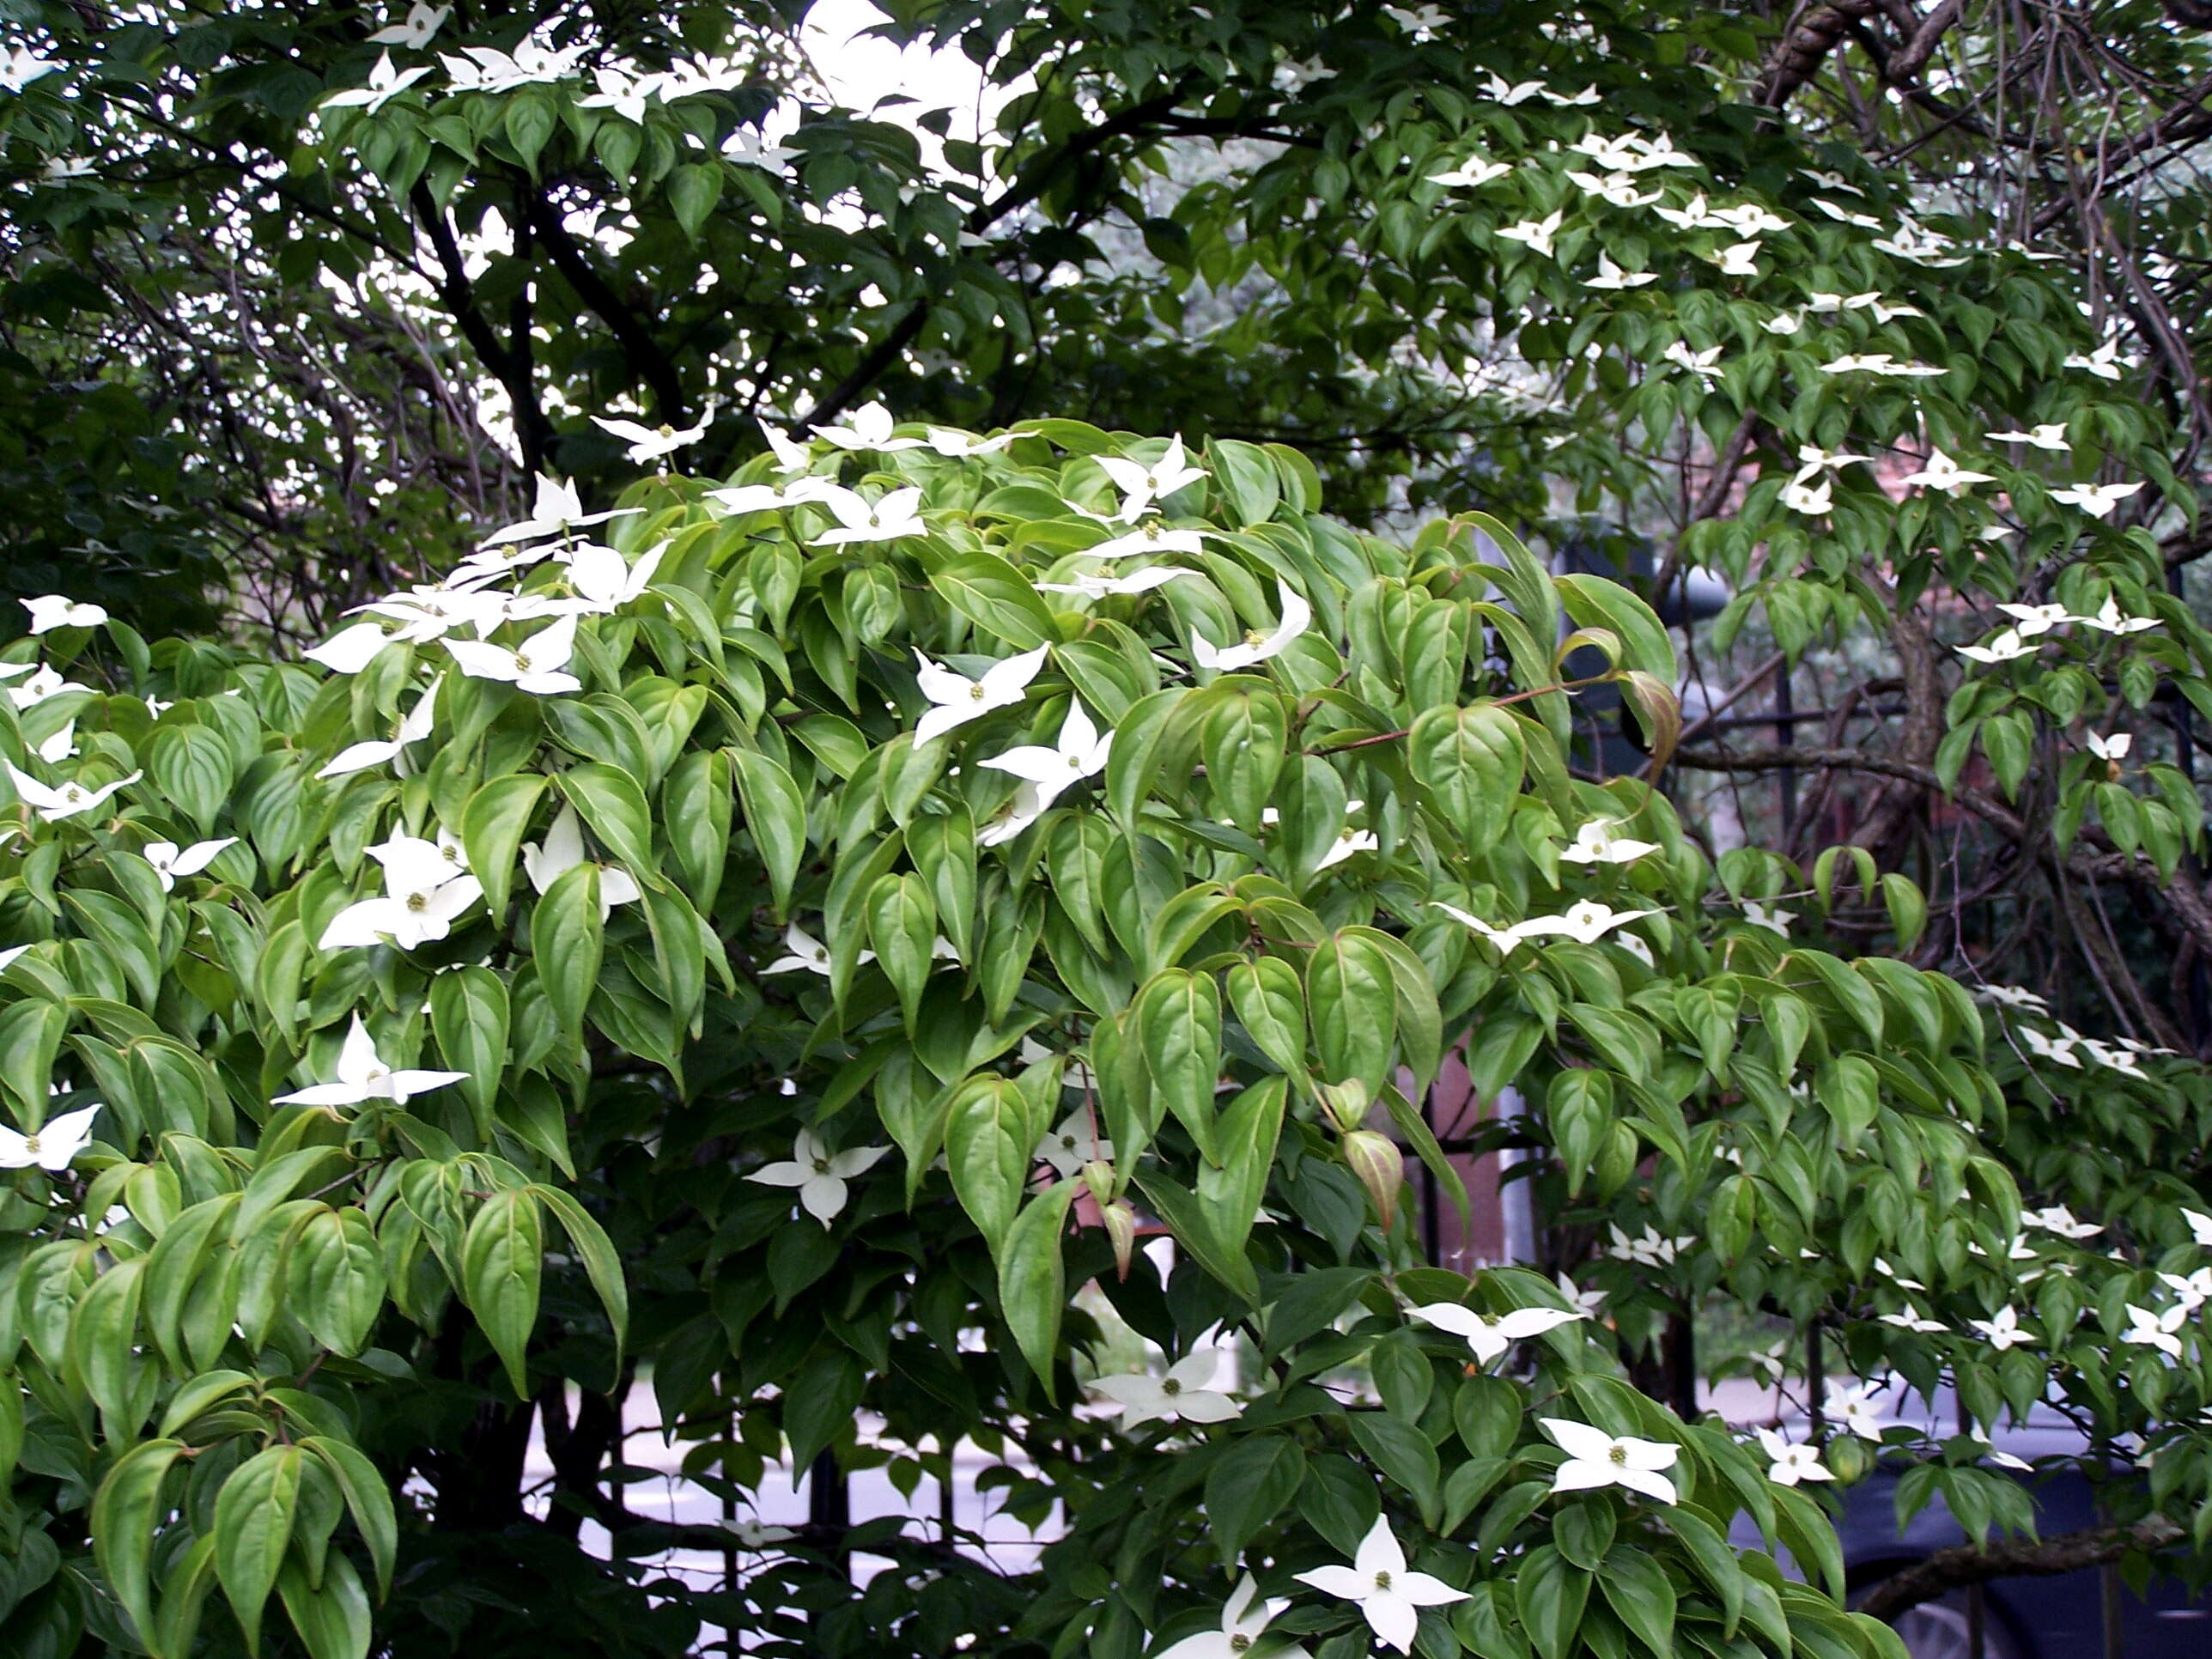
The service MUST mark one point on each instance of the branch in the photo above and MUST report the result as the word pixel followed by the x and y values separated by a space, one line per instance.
pixel 1974 1563
pixel 646 359
pixel 454 288
pixel 1805 45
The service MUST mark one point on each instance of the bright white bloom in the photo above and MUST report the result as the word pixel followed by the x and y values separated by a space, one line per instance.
pixel 538 665
pixel 1705 364
pixel 1388 1593
pixel 894 516
pixel 869 427
pixel 1536 234
pixel 1150 537
pixel 1349 841
pixel 562 850
pixel 1472 173
pixel 2194 1290
pixel 1079 752
pixel 169 861
pixel 802 951
pixel 1610 275
pixel 1099 587
pixel 1647 1249
pixel 1694 215
pixel 2058 1051
pixel 605 581
pixel 650 443
pixel 1138 482
pixel 1814 500
pixel 1586 923
pixel 556 510
pixel 1074 1143
pixel 1853 1409
pixel 819 1174
pixel 1836 211
pixel 483 69
pixel 2114 748
pixel 763 498
pixel 1598 843
pixel 2013 996
pixel 1789 1462
pixel 1244 1621
pixel 2104 363
pixel 1511 92
pixel 1588 1304
pixel 2156 1330
pixel 1616 188
pixel 746 149
pixel 43 684
pixel 753 1535
pixel 957 445
pixel 1420 22
pixel 426 889
pixel 54 802
pixel 1912 1320
pixel 1180 1396
pixel 1943 473
pixel 2030 620
pixel 51 1146
pixel 1581 100
pixel 1739 259
pixel 21 65
pixel 1596 1459
pixel 52 611
pixel 959 699
pixel 2004 1332
pixel 1812 459
pixel 2108 620
pixel 1490 1334
pixel 363 1075
pixel 1750 219
pixel 790 455
pixel 61 746
pixel 2098 500
pixel 1773 918
pixel 385 84
pixel 2058 1218
pixel 2005 647
pixel 416 30
pixel 1255 647
pixel 1784 322
pixel 2200 1228
pixel 350 649
pixel 2050 434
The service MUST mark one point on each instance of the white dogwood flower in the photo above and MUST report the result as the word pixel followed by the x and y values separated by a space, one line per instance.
pixel 1598 842
pixel 1491 1335
pixel 957 699
pixel 1536 234
pixel 562 850
pixel 1739 258
pixel 385 83
pixel 538 665
pixel 2048 435
pixel 1079 752
pixel 1150 537
pixel 868 426
pixel 1182 1395
pixel 52 611
pixel 1852 1407
pixel 1244 1620
pixel 2104 363
pixel 1074 1143
pixel 1388 1593
pixel 1585 921
pixel 2007 646
pixel 2096 500
pixel 359 756
pixel 1596 1459
pixel 958 446
pixel 1787 1463
pixel 2156 1330
pixel 2004 1332
pixel 1162 478
pixel 1610 276
pixel 427 887
pixel 1139 581
pixel 170 861
pixel 651 443
pixel 2114 747
pixel 1772 917
pixel 54 802
pixel 350 649
pixel 1255 647
pixel 51 1146
pixel 802 951
pixel 556 510
pixel 363 1075
pixel 891 519
pixel 2031 621
pixel 2109 619
pixel 820 1175
pixel 1472 173
pixel 1943 473
pixel 414 30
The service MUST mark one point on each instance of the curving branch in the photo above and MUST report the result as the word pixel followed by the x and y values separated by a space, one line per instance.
pixel 1976 1563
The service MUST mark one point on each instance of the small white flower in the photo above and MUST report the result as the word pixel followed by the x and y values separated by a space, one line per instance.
pixel 2156 1330
pixel 359 756
pixel 957 699
pixel 426 889
pixel 819 1174
pixel 1703 364
pixel 556 510
pixel 1180 1396
pixel 2098 500
pixel 1943 473
pixel 538 665
pixel 650 443
pixel 54 802
pixel 1244 1620
pixel 1912 1320
pixel 1255 647
pixel 2200 1228
pixel 1596 1459
pixel 414 30
pixel 562 850
pixel 1588 1304
pixel 2194 1290
pixel 1739 259
pixel 2108 620
pixel 363 1075
pixel 2114 747
pixel 1472 173
pixel 1140 483
pixel 2013 996
pixel 52 611
pixel 1079 752
pixel 2104 363
pixel 1074 1143
pixel 1536 234
pixel 1099 587
pixel 2007 646
pixel 1388 1593
pixel 1814 500
pixel 1853 1409
pixel 869 426
pixel 2050 434
pixel 385 84
pixel 957 445
pixel 1490 1334
pixel 1511 92
pixel 893 518
pixel 1612 276
pixel 51 1146
pixel 1789 1462
pixel 753 1535
pixel 1420 22
pixel 2033 621
pixel 804 952
pixel 170 862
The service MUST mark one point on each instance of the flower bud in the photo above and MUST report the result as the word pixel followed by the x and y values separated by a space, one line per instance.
pixel 1121 1223
pixel 1380 1166
pixel 1098 1176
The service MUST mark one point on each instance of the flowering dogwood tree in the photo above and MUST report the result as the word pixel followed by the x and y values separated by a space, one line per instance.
pixel 764 928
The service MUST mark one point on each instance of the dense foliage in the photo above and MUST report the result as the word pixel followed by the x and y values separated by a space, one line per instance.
pixel 768 934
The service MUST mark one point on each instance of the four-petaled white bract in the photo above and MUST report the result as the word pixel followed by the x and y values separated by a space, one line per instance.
pixel 1599 841
pixel 1138 483
pixel 556 510
pixel 52 611
pixel 1180 1396
pixel 426 889
pixel 2114 748
pixel 2157 1330
pixel 56 801
pixel 819 1174
pixel 1390 1594
pixel 1244 1620
pixel 1491 1334
pixel 562 850
pixel 1788 1462
pixel 1585 922
pixel 1943 473
pixel 605 580
pixel 803 951
pixel 363 1076
pixel 1078 753
pixel 650 443
pixel 170 861
pixel 1853 1406
pixel 1596 1459
pixel 2004 1332
pixel 869 427
pixel 893 518
pixel 416 30
pixel 959 699
pixel 537 665
pixel 2108 618
pixel 1074 1143
pixel 1100 587
pixel 52 1146
pixel 385 83
pixel 2098 500
pixel 1255 647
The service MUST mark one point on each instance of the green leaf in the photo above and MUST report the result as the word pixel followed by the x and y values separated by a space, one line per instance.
pixel 903 929
pixel 775 815
pixel 337 1279
pixel 1549 1593
pixel 601 1265
pixel 1642 1597
pixel 493 825
pixel 997 597
pixel 1594 602
pixel 253 1518
pixel 568 936
pixel 1270 1003
pixel 991 1135
pixel 332 1617
pixel 693 190
pixel 370 1498
pixel 1247 1488
pixel 126 1513
pixel 614 805
pixel 1403 1453
pixel 102 1334
pixel 470 1012
pixel 30 1036
pixel 1352 998
pixel 695 801
pixel 1033 1277
pixel 1248 1130
pixel 503 1257
pixel 1178 1031
pixel 193 765
pixel 1470 761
